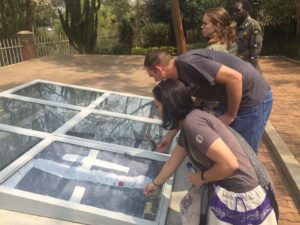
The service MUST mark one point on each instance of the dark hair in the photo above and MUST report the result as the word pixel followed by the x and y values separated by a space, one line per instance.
pixel 246 5
pixel 155 57
pixel 176 101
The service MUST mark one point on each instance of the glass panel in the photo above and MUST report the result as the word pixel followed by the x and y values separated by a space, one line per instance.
pixel 14 145
pixel 129 105
pixel 32 115
pixel 59 94
pixel 101 179
pixel 119 131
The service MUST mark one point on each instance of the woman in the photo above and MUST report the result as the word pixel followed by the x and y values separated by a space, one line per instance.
pixel 221 37
pixel 216 27
pixel 241 190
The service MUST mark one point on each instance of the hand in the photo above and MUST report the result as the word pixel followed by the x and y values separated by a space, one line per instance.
pixel 163 145
pixel 226 118
pixel 197 101
pixel 195 178
pixel 149 189
pixel 165 142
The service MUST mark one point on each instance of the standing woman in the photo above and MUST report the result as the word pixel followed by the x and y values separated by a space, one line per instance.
pixel 241 191
pixel 216 27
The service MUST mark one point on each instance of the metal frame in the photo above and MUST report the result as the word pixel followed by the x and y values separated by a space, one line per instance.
pixel 18 200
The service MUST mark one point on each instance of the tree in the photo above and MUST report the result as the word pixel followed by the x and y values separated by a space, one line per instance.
pixel 29 14
pixel 298 19
pixel 80 23
pixel 12 17
pixel 177 22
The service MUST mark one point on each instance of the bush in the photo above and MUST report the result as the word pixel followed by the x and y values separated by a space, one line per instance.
pixel 155 34
pixel 197 45
pixel 121 49
pixel 194 36
pixel 105 46
pixel 143 51
pixel 139 51
pixel 126 34
pixel 111 46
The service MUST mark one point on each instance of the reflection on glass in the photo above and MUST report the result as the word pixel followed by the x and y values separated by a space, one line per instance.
pixel 14 145
pixel 32 115
pixel 106 180
pixel 59 94
pixel 129 105
pixel 119 131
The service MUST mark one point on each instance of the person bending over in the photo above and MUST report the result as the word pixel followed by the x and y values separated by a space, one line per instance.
pixel 227 169
pixel 244 96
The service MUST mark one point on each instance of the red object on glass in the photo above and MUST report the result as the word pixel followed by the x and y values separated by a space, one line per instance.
pixel 120 183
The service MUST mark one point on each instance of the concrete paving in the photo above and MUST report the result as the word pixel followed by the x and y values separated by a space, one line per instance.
pixel 279 151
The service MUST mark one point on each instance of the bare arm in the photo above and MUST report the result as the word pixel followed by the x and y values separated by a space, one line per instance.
pixel 178 155
pixel 232 80
pixel 166 141
pixel 225 163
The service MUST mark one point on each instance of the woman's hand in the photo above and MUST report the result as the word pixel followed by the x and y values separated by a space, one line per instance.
pixel 149 189
pixel 164 144
pixel 166 141
pixel 195 179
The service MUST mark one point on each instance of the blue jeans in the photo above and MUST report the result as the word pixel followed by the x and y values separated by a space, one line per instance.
pixel 251 121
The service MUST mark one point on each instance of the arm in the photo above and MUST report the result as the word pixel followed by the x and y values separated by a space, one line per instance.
pixel 168 170
pixel 225 164
pixel 166 141
pixel 232 80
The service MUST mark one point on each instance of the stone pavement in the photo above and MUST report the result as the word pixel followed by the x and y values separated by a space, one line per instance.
pixel 283 134
pixel 126 74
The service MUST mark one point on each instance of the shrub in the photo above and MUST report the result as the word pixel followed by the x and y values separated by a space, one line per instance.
pixel 106 46
pixel 155 34
pixel 126 34
pixel 197 45
pixel 143 51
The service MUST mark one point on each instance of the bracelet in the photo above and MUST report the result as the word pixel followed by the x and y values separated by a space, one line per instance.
pixel 155 183
pixel 202 177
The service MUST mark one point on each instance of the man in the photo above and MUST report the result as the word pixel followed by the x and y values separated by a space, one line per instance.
pixel 245 98
pixel 249 33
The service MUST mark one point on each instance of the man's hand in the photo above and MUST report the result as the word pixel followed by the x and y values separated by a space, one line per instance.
pixel 226 118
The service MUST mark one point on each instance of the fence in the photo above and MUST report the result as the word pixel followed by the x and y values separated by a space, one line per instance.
pixel 11 49
pixel 50 46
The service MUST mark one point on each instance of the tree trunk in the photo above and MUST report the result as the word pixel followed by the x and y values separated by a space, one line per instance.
pixel 178 29
pixel 29 13
pixel 298 19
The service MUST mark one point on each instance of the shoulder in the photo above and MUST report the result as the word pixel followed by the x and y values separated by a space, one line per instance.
pixel 195 119
pixel 233 48
pixel 254 24
pixel 217 47
pixel 191 53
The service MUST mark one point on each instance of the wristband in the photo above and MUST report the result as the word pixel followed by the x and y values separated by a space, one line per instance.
pixel 155 183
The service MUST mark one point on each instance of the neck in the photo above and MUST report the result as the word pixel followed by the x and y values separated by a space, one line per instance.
pixel 241 22
pixel 172 70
